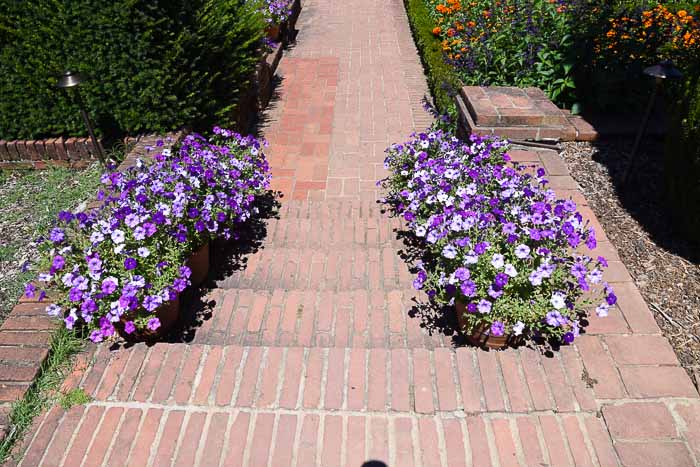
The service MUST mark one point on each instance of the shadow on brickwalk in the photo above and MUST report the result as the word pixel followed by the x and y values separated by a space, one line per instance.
pixel 306 353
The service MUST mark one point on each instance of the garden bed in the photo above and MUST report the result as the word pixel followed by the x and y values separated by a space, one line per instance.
pixel 665 268
pixel 586 56
pixel 29 202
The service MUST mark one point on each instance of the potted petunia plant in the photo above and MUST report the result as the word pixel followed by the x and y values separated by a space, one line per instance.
pixel 123 266
pixel 497 244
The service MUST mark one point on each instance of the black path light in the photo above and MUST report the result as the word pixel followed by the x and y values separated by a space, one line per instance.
pixel 68 80
pixel 660 72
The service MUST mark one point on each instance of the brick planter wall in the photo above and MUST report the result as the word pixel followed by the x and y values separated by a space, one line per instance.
pixel 64 152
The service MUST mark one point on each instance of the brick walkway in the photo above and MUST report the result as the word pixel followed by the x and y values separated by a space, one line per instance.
pixel 311 356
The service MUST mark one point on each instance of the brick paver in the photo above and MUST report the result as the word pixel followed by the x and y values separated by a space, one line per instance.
pixel 316 354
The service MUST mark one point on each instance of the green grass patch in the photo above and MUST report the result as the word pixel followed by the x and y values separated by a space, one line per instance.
pixel 442 79
pixel 74 397
pixel 29 203
pixel 44 392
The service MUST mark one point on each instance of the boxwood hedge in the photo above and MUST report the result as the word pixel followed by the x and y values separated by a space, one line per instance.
pixel 148 65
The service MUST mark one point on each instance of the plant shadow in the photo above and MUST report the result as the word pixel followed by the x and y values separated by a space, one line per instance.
pixel 227 257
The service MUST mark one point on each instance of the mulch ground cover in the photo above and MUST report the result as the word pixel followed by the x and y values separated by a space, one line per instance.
pixel 665 267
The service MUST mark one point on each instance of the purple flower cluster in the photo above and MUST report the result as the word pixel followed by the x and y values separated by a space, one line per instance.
pixel 121 262
pixel 495 238
pixel 277 11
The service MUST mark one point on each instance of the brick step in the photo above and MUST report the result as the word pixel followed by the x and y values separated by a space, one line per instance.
pixel 163 435
pixel 312 224
pixel 417 381
pixel 327 267
pixel 349 318
pixel 330 209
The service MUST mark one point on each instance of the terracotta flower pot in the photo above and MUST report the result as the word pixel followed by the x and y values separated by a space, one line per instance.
pixel 273 32
pixel 168 314
pixel 198 262
pixel 480 335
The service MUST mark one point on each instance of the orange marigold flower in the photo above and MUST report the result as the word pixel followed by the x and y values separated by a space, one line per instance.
pixel 436 30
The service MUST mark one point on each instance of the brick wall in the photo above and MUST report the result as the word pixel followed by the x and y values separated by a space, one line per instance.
pixel 65 152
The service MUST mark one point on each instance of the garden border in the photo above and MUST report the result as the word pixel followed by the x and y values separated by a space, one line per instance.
pixel 25 336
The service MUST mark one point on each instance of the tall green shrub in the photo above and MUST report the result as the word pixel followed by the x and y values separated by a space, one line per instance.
pixel 148 65
pixel 441 76
pixel 683 164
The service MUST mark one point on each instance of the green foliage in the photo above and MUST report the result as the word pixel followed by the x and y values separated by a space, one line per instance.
pixel 683 163
pixel 615 41
pixel 508 43
pixel 148 65
pixel 74 397
pixel 442 78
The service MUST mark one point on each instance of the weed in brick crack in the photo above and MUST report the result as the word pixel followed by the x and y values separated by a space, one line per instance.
pixel 74 397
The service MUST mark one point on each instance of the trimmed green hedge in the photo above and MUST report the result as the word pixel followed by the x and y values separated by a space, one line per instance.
pixel 683 164
pixel 442 78
pixel 148 65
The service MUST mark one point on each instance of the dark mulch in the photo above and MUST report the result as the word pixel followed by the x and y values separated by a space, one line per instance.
pixel 665 267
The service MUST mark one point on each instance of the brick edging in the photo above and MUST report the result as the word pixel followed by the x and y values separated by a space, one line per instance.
pixel 39 154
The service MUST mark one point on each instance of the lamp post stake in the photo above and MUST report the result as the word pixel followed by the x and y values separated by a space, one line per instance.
pixel 660 72
pixel 72 80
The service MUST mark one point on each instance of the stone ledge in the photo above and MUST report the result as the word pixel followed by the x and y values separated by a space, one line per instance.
pixel 518 114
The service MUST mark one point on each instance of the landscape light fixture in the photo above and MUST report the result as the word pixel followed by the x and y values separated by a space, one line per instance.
pixel 660 72
pixel 69 80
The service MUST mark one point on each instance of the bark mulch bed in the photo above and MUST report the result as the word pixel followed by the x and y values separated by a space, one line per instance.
pixel 665 267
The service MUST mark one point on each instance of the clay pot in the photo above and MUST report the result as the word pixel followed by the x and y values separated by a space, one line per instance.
pixel 168 314
pixel 198 262
pixel 479 335
pixel 273 32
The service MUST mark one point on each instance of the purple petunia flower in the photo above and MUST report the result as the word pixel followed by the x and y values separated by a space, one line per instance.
pixel 553 318
pixel 497 328
pixel 75 294
pixel 109 285
pixel 152 302
pixel 468 288
pixel 53 310
pixel 57 235
pixel 522 251
pixel 153 324
pixel 96 336
pixel 129 327
pixel 29 290
pixel 484 306
pixel 130 264
pixel 58 262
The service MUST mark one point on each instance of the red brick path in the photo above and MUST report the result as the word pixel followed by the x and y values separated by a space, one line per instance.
pixel 311 356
